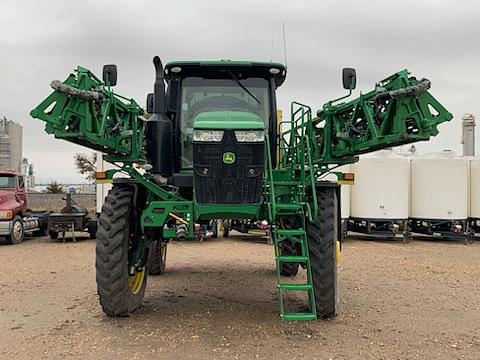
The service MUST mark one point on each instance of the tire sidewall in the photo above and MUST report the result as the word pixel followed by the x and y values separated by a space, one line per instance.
pixel 13 239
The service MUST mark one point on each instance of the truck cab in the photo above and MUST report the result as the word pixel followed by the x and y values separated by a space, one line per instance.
pixel 13 204
pixel 15 219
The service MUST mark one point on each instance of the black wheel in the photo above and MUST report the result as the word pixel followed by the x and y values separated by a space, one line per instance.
pixel 287 247
pixel 226 228
pixel 157 257
pixel 121 272
pixel 92 229
pixel 16 232
pixel 322 247
pixel 53 235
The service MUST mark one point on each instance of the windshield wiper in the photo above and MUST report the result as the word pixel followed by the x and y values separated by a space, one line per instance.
pixel 234 78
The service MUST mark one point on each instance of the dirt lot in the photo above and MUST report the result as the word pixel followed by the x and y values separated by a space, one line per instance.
pixel 218 301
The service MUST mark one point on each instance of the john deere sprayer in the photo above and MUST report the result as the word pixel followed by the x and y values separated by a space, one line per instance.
pixel 211 146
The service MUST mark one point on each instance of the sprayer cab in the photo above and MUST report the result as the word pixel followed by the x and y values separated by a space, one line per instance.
pixel 218 113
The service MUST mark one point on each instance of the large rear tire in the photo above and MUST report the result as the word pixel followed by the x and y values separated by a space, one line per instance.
pixel 288 248
pixel 322 241
pixel 120 289
pixel 157 257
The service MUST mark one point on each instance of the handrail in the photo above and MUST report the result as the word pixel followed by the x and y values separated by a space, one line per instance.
pixel 273 210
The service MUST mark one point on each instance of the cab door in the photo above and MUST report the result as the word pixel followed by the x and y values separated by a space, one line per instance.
pixel 21 193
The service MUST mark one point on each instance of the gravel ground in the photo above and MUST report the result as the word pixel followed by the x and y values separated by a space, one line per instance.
pixel 218 301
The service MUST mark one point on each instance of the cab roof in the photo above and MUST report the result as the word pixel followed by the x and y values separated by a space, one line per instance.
pixel 247 68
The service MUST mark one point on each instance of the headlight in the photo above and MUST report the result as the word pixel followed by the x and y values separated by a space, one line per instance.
pixel 249 135
pixel 208 135
pixel 6 214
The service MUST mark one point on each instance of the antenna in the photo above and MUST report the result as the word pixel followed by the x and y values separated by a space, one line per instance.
pixel 271 51
pixel 284 45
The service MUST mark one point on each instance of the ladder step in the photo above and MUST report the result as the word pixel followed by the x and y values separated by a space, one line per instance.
pixel 286 182
pixel 292 259
pixel 289 232
pixel 295 287
pixel 289 206
pixel 298 316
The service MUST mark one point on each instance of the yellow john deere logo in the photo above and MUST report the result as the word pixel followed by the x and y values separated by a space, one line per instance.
pixel 228 158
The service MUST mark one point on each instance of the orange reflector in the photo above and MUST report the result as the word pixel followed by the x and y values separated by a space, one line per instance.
pixel 100 175
pixel 348 176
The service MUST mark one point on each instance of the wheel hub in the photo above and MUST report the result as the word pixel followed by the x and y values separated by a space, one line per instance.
pixel 135 281
pixel 17 230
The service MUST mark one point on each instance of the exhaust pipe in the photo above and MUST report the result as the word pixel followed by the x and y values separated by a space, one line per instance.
pixel 159 130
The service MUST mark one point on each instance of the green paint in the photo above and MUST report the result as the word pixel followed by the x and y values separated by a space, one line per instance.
pixel 228 120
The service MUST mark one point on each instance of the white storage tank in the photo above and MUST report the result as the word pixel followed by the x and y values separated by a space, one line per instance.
pixel 379 198
pixel 475 191
pixel 382 186
pixel 440 187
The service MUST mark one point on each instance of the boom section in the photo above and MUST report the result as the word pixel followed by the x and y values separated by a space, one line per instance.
pixel 84 111
pixel 400 110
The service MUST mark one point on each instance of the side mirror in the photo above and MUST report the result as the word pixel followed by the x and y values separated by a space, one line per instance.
pixel 109 75
pixel 349 78
pixel 150 103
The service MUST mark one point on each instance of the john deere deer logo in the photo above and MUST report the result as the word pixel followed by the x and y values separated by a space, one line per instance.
pixel 228 158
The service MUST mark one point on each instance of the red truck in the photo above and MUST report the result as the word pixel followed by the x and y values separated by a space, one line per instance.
pixel 15 218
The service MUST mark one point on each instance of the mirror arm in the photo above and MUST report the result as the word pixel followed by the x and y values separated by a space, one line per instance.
pixel 338 99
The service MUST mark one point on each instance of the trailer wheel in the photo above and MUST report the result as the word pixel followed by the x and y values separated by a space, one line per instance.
pixel 120 284
pixel 322 244
pixel 17 232
pixel 92 229
pixel 157 257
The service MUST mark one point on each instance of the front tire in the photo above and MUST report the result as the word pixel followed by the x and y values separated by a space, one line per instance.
pixel 322 244
pixel 17 232
pixel 120 285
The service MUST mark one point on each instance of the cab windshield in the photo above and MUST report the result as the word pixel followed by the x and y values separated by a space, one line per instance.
pixel 7 182
pixel 208 94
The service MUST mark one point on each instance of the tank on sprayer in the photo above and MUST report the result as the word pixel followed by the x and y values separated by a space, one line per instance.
pixel 380 195
pixel 440 195
pixel 475 195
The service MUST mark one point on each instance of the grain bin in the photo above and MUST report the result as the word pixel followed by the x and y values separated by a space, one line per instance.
pixel 475 194
pixel 440 195
pixel 380 195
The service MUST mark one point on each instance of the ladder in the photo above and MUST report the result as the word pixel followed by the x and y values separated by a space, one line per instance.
pixel 297 235
pixel 286 188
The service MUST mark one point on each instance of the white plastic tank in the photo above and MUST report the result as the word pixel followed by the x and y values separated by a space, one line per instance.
pixel 475 188
pixel 382 187
pixel 440 187
pixel 344 190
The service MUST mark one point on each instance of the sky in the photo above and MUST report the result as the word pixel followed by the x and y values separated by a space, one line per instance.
pixel 45 40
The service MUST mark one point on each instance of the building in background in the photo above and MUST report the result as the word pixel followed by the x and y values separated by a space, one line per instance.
pixel 11 145
pixel 27 171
